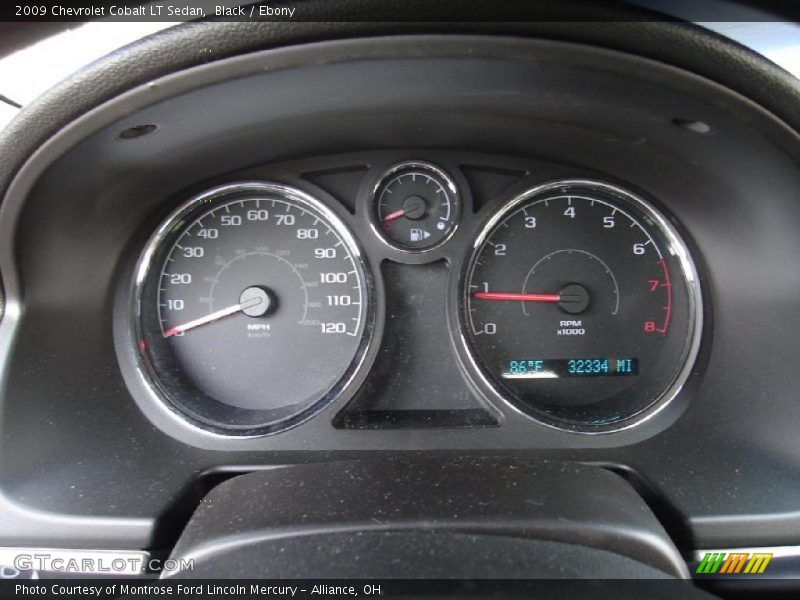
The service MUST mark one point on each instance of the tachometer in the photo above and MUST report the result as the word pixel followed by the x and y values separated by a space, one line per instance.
pixel 252 308
pixel 582 306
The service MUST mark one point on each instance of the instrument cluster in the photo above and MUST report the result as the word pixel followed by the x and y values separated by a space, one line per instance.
pixel 254 305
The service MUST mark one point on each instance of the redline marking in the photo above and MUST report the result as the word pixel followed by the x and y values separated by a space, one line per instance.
pixel 668 308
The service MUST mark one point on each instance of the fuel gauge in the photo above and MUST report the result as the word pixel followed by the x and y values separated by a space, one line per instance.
pixel 417 206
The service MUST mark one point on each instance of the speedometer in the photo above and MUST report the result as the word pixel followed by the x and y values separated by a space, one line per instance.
pixel 252 308
pixel 581 306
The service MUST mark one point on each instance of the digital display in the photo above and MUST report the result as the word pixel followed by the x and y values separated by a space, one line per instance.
pixel 555 368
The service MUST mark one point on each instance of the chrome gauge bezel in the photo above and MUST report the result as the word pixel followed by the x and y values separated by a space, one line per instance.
pixel 676 247
pixel 146 263
pixel 385 176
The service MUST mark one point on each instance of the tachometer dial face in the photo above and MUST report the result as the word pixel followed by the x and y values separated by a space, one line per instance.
pixel 253 308
pixel 417 206
pixel 582 306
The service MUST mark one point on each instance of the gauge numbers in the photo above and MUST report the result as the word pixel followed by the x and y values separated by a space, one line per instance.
pixel 582 306
pixel 253 308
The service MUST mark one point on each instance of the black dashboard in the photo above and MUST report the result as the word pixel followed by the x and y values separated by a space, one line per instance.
pixel 452 245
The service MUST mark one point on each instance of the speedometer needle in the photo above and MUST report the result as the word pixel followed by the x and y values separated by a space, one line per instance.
pixel 517 297
pixel 216 315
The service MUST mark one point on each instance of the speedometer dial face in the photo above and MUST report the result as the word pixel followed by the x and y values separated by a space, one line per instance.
pixel 581 306
pixel 253 308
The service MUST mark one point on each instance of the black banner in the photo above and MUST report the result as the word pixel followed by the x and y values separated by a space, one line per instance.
pixel 395 10
pixel 75 589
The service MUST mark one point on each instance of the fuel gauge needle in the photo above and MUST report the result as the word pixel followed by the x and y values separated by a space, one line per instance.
pixel 215 316
pixel 393 215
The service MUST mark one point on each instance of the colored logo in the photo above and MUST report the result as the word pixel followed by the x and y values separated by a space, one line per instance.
pixel 734 563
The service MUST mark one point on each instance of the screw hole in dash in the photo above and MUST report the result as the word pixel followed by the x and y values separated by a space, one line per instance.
pixel 137 131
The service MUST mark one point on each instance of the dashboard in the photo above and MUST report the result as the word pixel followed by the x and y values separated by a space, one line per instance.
pixel 412 245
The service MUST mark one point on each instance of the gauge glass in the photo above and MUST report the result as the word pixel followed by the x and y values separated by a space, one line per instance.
pixel 417 206
pixel 581 306
pixel 253 308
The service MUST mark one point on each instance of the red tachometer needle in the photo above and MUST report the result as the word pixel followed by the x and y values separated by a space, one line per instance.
pixel 510 296
pixel 393 215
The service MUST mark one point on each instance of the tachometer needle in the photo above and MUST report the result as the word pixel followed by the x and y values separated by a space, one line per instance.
pixel 393 215
pixel 216 315
pixel 509 296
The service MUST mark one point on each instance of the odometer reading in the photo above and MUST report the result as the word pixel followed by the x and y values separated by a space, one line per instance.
pixel 597 287
pixel 253 303
pixel 550 368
